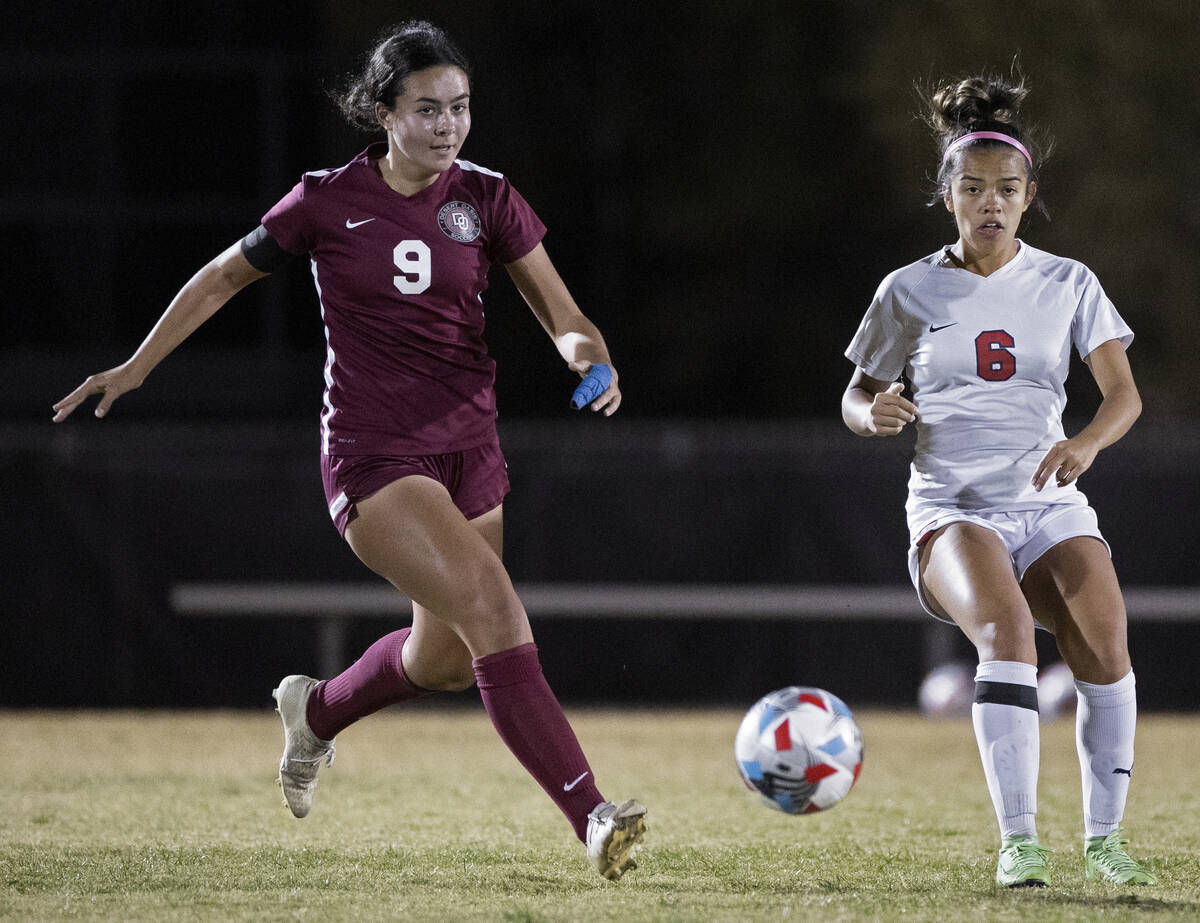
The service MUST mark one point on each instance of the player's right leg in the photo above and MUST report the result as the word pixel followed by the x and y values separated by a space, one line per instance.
pixel 303 751
pixel 314 713
pixel 966 572
pixel 435 657
pixel 385 674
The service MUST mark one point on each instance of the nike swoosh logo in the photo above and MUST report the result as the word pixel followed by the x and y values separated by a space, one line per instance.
pixel 932 329
pixel 1128 772
pixel 354 224
pixel 567 786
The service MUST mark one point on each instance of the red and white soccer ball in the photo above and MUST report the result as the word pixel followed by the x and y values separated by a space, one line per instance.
pixel 800 749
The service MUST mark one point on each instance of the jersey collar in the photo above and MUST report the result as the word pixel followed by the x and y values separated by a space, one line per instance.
pixel 946 260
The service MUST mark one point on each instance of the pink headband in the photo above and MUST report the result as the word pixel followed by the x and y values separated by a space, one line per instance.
pixel 986 136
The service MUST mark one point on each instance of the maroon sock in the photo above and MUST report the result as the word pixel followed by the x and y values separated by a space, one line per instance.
pixel 532 724
pixel 376 679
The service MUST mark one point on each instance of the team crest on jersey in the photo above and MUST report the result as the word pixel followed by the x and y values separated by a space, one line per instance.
pixel 459 221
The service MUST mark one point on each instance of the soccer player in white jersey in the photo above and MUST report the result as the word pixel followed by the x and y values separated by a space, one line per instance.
pixel 400 241
pixel 1002 540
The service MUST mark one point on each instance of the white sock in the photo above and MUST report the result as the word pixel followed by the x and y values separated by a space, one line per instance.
pixel 1105 720
pixel 1006 727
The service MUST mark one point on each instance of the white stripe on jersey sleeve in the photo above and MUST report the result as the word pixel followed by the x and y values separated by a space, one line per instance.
pixel 467 165
pixel 326 172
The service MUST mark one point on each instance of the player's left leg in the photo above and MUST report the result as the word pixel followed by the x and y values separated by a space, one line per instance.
pixel 529 719
pixel 1073 590
pixel 412 533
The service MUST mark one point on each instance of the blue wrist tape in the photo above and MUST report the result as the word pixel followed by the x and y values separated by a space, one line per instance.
pixel 594 384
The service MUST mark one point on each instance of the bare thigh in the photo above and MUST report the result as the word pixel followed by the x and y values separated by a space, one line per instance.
pixel 411 533
pixel 435 657
pixel 967 573
pixel 1072 589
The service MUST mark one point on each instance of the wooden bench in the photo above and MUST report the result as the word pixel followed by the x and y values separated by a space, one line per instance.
pixel 334 603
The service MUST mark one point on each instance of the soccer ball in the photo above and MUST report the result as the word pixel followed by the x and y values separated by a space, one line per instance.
pixel 800 749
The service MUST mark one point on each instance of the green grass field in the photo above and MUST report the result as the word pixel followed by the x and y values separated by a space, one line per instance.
pixel 425 816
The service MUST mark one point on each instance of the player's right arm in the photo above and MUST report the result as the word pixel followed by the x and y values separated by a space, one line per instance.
pixel 197 301
pixel 871 407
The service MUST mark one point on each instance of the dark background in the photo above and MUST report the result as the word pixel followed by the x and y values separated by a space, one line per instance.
pixel 725 185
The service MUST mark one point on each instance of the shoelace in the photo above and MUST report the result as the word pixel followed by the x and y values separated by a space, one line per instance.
pixel 1111 853
pixel 1029 854
pixel 326 755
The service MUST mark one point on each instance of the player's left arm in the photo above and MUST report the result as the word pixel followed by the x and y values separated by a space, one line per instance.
pixel 576 338
pixel 1121 406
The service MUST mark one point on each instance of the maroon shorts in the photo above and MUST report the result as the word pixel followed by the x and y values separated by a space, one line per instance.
pixel 477 479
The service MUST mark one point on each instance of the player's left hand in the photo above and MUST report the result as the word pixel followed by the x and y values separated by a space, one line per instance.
pixel 1066 460
pixel 598 389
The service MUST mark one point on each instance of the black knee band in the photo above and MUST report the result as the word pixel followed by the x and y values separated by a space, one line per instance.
pixel 1006 694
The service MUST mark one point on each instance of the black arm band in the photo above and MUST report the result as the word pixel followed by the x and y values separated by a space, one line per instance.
pixel 262 251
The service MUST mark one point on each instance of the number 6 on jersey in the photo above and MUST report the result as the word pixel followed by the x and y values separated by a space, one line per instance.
pixel 993 360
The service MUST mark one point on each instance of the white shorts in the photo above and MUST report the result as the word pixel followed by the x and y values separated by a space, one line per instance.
pixel 1027 534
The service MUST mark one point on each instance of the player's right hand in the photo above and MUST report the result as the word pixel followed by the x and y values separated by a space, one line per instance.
pixel 889 411
pixel 111 384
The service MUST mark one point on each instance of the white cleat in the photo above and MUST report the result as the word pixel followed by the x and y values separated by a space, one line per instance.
pixel 303 751
pixel 613 834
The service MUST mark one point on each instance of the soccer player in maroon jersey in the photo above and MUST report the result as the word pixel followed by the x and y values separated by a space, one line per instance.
pixel 400 240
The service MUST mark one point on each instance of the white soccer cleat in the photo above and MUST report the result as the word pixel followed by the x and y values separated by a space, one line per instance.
pixel 303 751
pixel 613 834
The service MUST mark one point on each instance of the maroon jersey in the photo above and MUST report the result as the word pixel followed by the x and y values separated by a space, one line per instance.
pixel 400 280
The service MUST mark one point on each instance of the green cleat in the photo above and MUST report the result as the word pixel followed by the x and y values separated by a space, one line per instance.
pixel 1023 863
pixel 1107 860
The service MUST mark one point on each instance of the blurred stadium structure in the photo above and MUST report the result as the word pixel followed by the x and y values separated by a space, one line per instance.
pixel 110 519
pixel 725 184
pixel 724 187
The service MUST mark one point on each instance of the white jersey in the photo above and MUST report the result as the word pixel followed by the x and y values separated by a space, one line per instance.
pixel 987 358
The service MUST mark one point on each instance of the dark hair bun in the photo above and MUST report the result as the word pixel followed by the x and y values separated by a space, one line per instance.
pixel 988 102
pixel 975 103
